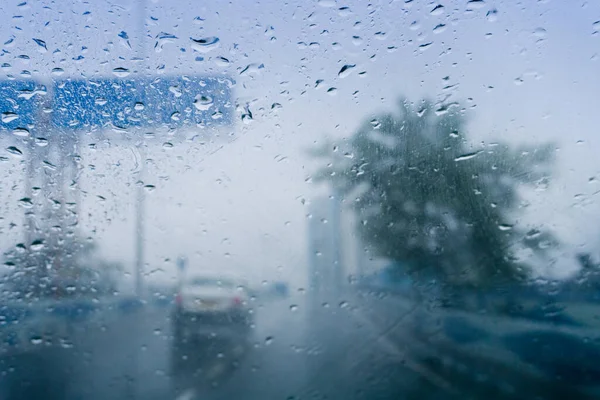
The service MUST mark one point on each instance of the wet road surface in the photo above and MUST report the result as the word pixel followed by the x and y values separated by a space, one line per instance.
pixel 292 352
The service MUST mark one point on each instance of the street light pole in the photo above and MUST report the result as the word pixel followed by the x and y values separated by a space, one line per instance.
pixel 139 187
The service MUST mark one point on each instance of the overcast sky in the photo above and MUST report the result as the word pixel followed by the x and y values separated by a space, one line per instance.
pixel 235 198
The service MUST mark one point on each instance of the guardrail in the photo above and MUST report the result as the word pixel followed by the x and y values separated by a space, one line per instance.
pixel 496 356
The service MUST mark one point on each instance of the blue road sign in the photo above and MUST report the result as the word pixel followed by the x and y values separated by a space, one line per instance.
pixel 79 104
pixel 20 103
pixel 163 101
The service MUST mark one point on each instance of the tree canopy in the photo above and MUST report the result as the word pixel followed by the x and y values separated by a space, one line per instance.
pixel 430 198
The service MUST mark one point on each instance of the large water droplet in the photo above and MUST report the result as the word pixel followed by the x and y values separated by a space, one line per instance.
pixel 540 33
pixel 57 71
pixel 163 38
pixel 203 103
pixel 15 151
pixel 36 340
pixel 505 227
pixel 221 61
pixel 252 69
pixel 37 245
pixel 596 26
pixel 176 91
pixel 42 44
pixel 121 72
pixel 437 10
pixel 467 156
pixel 439 28
pixel 23 132
pixel 346 70
pixel 9 116
pixel 425 46
pixel 475 4
pixel 206 44
pixel 492 15
pixel 26 202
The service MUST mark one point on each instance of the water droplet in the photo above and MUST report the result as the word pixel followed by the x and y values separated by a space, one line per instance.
pixel 14 151
pixel 42 44
pixel 57 71
pixel 175 90
pixel 596 26
pixel 221 61
pixel 414 26
pixel 343 304
pixel 327 3
pixel 26 202
pixel 252 69
pixel 139 106
pixel 36 340
pixel 149 188
pixel 332 91
pixel 475 4
pixel 121 72
pixel 100 101
pixel 21 132
pixel 467 156
pixel 346 70
pixel 533 233
pixel 167 145
pixel 439 28
pixel 9 116
pixel 492 15
pixel 437 10
pixel 41 142
pixel 268 340
pixel 163 38
pixel 505 227
pixel 425 46
pixel 539 33
pixel 176 116
pixel 375 123
pixel 203 103
pixel 293 308
pixel 37 245
pixel 206 44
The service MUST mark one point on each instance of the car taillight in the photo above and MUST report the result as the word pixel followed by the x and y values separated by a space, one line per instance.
pixel 237 301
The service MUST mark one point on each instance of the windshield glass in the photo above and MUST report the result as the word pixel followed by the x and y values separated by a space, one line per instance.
pixel 316 199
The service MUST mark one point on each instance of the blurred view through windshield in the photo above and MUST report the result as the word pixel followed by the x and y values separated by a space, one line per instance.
pixel 304 200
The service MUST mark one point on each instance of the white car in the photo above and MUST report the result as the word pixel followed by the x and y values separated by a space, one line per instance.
pixel 208 305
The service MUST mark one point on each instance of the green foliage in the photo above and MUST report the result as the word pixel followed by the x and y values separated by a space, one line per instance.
pixel 429 198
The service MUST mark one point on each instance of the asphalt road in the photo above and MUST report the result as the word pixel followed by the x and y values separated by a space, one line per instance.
pixel 295 350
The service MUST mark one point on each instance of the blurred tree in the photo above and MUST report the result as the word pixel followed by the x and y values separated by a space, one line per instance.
pixel 428 198
pixel 74 268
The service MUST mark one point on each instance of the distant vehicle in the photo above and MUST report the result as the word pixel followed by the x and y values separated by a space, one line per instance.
pixel 211 306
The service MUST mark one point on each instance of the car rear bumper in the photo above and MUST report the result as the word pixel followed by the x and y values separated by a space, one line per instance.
pixel 212 324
